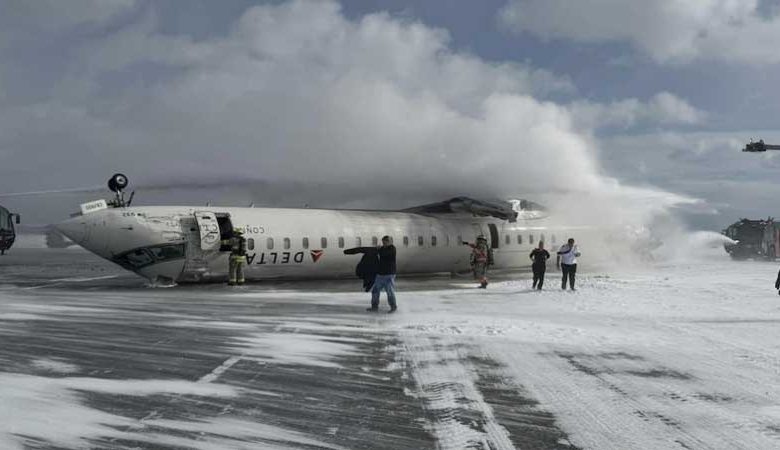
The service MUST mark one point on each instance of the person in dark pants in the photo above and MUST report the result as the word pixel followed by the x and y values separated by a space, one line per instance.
pixel 777 283
pixel 539 256
pixel 567 261
pixel 368 266
pixel 385 278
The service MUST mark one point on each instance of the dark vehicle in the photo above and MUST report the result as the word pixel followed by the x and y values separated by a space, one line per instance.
pixel 760 146
pixel 7 234
pixel 755 238
pixel 770 245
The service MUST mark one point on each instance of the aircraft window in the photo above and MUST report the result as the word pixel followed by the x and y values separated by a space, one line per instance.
pixel 447 240
pixel 286 243
pixel 167 252
pixel 269 243
pixel 520 239
pixel 541 238
pixel 341 242
pixel 305 243
pixel 358 242
pixel 135 258
pixel 420 241
pixel 531 239
pixel 507 239
pixel 324 242
pixel 433 241
pixel 250 244
pixel 460 239
pixel 406 241
pixel 374 241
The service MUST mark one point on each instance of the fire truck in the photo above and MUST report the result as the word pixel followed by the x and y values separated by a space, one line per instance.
pixel 7 234
pixel 754 239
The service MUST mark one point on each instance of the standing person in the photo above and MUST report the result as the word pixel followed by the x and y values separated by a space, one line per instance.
pixel 237 260
pixel 539 256
pixel 777 283
pixel 481 258
pixel 385 278
pixel 368 266
pixel 567 261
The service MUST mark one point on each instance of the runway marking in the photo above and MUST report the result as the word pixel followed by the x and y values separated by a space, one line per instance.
pixel 59 281
pixel 217 372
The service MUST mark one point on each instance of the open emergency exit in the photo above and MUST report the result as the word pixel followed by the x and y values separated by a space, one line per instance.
pixel 494 241
pixel 213 229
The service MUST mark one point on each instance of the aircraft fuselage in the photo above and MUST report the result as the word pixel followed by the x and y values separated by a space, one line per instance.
pixel 182 244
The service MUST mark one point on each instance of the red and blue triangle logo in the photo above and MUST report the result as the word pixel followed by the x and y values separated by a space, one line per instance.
pixel 316 255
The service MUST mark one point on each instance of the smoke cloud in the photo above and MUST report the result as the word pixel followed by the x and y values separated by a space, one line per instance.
pixel 297 104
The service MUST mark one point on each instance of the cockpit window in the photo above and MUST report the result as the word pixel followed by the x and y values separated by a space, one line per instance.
pixel 142 257
pixel 136 259
pixel 166 252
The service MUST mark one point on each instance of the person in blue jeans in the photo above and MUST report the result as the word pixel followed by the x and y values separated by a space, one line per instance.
pixel 385 277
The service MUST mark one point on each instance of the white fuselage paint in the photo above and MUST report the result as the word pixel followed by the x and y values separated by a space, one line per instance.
pixel 277 240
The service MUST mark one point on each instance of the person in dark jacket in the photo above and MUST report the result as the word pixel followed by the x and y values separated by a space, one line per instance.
pixel 539 256
pixel 777 283
pixel 385 278
pixel 368 266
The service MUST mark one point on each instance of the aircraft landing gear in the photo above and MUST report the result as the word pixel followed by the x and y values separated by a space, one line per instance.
pixel 117 184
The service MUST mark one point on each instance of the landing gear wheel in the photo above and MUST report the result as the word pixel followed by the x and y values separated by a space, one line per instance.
pixel 118 182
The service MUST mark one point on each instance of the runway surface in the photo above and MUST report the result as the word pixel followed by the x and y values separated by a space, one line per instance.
pixel 681 356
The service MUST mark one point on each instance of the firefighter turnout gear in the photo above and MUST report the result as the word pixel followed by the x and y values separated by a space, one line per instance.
pixel 481 258
pixel 237 260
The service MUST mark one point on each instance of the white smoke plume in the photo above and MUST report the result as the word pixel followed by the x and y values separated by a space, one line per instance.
pixel 297 104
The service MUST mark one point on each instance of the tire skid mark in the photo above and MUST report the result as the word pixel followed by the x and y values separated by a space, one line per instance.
pixel 460 417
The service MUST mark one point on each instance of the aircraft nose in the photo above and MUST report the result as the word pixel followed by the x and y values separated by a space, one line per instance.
pixel 74 229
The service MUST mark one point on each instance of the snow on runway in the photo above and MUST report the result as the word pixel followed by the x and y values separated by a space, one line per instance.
pixel 677 356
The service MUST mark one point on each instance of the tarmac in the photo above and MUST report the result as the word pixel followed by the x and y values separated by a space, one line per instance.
pixel 97 358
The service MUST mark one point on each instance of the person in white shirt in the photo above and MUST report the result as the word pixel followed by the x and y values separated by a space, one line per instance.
pixel 567 262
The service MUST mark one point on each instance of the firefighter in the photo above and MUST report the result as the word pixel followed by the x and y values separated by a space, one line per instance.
pixel 237 244
pixel 481 258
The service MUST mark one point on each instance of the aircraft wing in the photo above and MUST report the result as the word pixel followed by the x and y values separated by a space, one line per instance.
pixel 459 205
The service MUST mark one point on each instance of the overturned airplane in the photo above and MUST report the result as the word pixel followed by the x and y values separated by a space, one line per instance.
pixel 184 243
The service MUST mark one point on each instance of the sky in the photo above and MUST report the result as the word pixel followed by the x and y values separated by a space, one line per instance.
pixel 632 106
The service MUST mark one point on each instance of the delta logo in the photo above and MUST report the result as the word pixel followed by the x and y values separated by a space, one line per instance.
pixel 316 255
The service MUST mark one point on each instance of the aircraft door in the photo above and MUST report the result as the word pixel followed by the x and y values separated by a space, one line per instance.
pixel 209 231
pixel 493 235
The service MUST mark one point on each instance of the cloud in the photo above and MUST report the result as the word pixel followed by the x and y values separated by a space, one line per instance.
pixel 705 165
pixel 663 108
pixel 678 31
pixel 296 92
pixel 23 19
